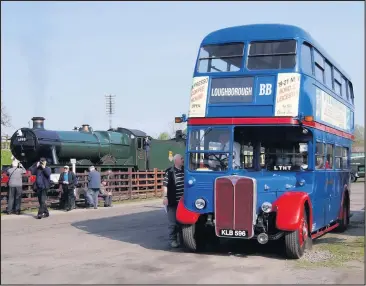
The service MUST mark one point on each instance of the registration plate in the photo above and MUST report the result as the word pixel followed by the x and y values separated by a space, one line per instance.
pixel 233 233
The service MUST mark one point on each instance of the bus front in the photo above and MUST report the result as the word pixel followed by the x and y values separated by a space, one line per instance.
pixel 247 151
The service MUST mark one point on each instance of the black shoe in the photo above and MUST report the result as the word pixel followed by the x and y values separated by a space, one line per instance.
pixel 17 212
pixel 46 215
pixel 39 216
pixel 68 210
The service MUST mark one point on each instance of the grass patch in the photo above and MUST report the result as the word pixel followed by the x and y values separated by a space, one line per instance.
pixel 350 249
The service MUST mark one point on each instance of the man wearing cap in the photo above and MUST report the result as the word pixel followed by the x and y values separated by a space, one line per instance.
pixel 68 182
pixel 42 185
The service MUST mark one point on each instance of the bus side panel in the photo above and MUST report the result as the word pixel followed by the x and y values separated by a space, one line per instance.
pixel 341 179
pixel 319 201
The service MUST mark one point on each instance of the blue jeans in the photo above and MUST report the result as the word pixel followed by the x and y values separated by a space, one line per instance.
pixel 94 195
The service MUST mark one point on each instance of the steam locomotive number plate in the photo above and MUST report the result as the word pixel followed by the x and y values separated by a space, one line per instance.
pixel 233 233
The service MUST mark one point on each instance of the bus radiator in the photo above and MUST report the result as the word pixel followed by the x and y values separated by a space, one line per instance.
pixel 234 207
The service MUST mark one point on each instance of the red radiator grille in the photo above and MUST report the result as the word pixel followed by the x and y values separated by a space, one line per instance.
pixel 234 204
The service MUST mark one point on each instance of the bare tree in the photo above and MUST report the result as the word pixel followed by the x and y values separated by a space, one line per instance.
pixel 5 118
pixel 359 135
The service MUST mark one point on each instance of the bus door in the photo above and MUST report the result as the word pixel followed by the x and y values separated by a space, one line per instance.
pixel 321 203
pixel 331 186
pixel 140 155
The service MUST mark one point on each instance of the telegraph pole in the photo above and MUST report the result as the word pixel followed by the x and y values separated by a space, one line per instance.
pixel 110 107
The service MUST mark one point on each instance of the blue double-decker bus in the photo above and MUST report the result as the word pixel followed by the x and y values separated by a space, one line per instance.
pixel 269 131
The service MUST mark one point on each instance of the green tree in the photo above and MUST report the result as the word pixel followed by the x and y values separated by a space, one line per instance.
pixel 359 135
pixel 164 136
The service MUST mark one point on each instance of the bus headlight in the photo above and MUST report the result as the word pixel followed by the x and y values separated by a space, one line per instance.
pixel 200 204
pixel 191 181
pixel 266 207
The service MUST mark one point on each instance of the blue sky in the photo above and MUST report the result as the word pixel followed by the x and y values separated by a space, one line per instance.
pixel 59 59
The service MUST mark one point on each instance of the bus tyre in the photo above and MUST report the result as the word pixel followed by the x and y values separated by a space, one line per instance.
pixel 344 222
pixel 296 241
pixel 192 236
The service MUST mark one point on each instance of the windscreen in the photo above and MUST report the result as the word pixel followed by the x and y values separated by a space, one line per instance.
pixel 209 149
pixel 271 55
pixel 271 148
pixel 221 58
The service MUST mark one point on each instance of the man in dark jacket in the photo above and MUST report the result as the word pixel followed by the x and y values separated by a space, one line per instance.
pixel 94 182
pixel 173 188
pixel 68 182
pixel 42 185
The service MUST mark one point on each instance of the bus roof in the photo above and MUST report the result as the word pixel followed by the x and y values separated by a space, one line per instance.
pixel 263 32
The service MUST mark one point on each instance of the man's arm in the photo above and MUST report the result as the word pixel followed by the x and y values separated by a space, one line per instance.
pixel 33 170
pixel 73 177
pixel 47 172
pixel 23 169
pixel 165 184
pixel 61 178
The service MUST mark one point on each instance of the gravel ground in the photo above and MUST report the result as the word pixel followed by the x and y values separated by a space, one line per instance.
pixel 128 244
pixel 317 256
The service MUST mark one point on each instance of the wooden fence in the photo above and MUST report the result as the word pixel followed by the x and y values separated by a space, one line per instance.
pixel 124 186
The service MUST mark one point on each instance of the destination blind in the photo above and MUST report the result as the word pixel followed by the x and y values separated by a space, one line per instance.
pixel 224 90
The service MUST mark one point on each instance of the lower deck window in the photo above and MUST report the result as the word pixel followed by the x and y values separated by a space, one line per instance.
pixel 319 156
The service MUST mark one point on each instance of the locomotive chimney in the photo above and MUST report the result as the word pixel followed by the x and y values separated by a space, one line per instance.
pixel 38 122
pixel 85 128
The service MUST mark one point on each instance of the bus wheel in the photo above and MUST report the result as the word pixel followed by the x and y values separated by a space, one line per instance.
pixel 193 238
pixel 295 241
pixel 343 224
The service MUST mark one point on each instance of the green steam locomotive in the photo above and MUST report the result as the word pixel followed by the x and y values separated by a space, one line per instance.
pixel 114 149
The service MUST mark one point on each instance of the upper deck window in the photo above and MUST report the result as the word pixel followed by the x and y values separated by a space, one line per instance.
pixel 221 58
pixel 306 62
pixel 272 55
pixel 350 92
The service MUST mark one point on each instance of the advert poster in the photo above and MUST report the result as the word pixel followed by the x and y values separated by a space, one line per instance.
pixel 332 111
pixel 287 94
pixel 226 90
pixel 197 104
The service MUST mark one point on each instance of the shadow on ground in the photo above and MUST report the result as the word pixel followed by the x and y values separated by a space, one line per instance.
pixel 149 230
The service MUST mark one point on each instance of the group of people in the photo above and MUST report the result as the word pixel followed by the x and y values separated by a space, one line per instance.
pixel 67 181
pixel 173 188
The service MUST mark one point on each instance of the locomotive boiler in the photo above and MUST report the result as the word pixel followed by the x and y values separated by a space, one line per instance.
pixel 116 148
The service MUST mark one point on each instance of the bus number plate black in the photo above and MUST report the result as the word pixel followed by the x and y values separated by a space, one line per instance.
pixel 233 233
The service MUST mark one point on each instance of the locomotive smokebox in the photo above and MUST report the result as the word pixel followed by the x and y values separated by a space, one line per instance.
pixel 38 122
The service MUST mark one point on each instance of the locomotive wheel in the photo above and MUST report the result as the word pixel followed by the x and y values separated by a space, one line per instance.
pixel 295 241
pixel 193 238
pixel 343 225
